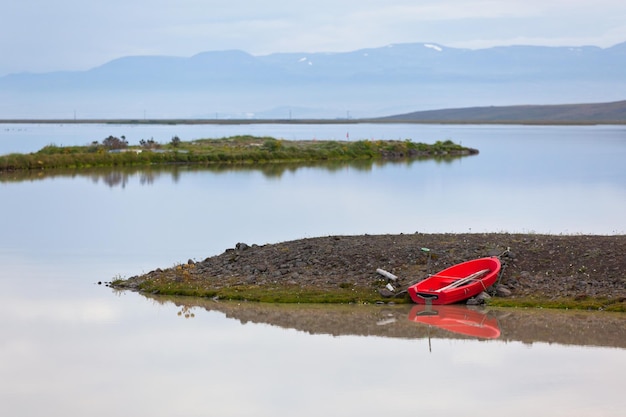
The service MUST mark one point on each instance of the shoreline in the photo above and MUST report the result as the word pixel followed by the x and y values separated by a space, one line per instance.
pixel 550 271
pixel 185 121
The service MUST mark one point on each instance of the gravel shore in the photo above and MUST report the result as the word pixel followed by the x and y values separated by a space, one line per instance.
pixel 547 267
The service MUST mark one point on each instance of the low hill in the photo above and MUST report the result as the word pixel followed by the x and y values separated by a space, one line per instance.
pixel 605 113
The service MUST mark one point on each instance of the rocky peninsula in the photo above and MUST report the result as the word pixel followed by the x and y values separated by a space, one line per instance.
pixel 559 271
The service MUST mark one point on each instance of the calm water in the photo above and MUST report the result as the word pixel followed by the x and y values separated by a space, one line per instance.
pixel 80 349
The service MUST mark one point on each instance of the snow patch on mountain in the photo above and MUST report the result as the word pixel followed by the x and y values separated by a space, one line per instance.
pixel 432 46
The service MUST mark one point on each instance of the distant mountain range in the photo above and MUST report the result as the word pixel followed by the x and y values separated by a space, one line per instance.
pixel 372 82
pixel 614 112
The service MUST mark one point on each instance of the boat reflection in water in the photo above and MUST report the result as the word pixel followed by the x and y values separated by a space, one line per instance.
pixel 457 319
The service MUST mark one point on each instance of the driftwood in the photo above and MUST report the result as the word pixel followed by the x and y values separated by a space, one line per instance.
pixel 387 274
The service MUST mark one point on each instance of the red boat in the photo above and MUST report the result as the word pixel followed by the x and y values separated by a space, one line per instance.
pixel 457 283
pixel 457 319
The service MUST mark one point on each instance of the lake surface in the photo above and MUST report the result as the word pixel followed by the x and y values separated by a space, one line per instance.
pixel 79 348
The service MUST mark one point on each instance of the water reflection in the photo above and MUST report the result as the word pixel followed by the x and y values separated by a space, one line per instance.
pixel 457 319
pixel 121 176
pixel 443 322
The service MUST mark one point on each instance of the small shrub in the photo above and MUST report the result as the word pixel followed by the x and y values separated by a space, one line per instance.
pixel 113 142
pixel 175 142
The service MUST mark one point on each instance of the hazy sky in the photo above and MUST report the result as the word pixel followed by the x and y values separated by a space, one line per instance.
pixel 49 35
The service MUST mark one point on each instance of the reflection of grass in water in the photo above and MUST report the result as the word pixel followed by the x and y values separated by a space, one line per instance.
pixel 186 312
pixel 118 176
pixel 578 303
pixel 527 325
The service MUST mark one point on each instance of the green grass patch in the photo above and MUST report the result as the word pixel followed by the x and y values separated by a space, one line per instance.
pixel 266 294
pixel 346 293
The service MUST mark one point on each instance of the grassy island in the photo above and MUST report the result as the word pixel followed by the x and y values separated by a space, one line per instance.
pixel 115 152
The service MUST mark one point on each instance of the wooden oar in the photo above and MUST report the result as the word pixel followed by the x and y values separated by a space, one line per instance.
pixel 465 280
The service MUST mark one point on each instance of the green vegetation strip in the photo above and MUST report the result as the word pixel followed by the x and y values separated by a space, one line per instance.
pixel 114 152
pixel 347 294
pixel 287 294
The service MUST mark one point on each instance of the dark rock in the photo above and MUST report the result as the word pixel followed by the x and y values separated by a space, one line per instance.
pixel 241 246
pixel 386 293
pixel 483 296
pixel 502 291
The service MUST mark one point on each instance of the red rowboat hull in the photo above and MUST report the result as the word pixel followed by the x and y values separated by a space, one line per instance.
pixel 439 288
